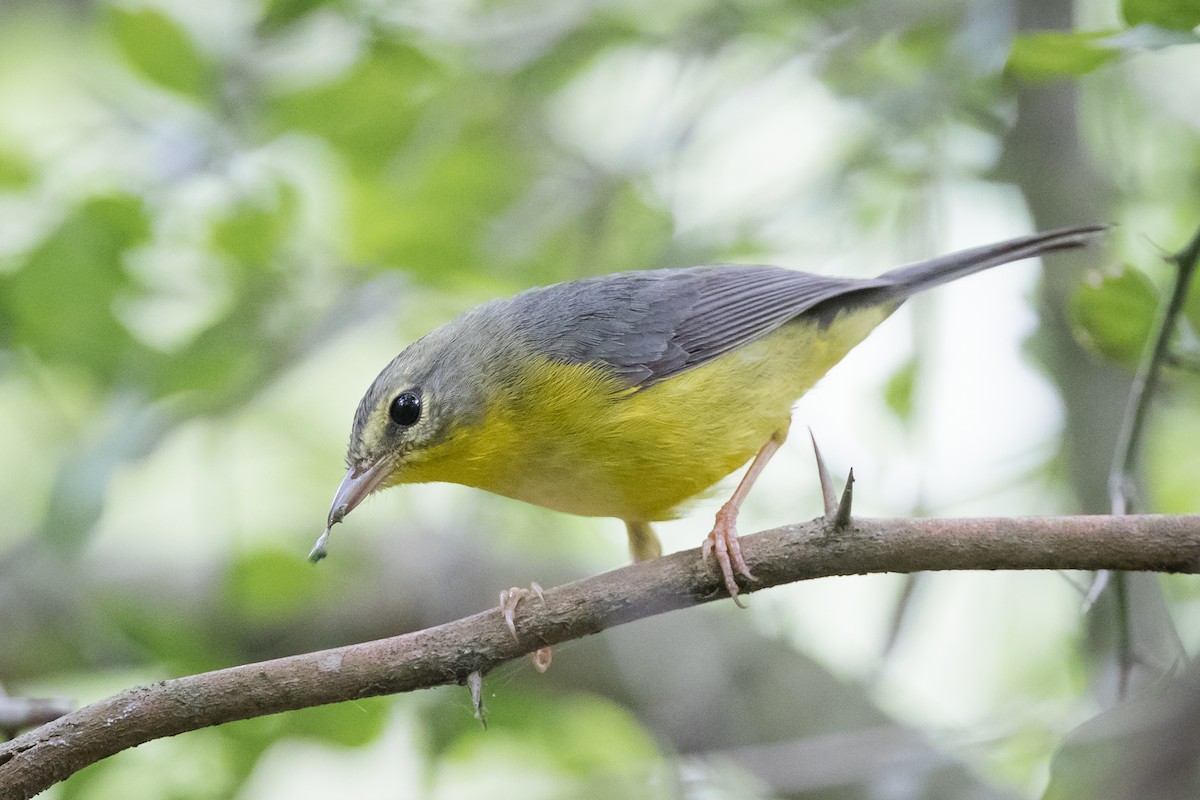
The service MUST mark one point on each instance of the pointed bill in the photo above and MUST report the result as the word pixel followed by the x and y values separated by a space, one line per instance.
pixel 355 487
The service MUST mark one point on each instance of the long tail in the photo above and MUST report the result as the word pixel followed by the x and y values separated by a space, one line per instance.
pixel 906 281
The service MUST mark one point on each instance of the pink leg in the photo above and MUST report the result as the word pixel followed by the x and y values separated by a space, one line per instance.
pixel 723 540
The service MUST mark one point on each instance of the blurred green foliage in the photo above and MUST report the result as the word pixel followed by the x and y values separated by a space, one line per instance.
pixel 59 304
pixel 1181 15
pixel 160 51
pixel 217 219
pixel 900 391
pixel 591 747
pixel 1115 315
pixel 16 173
pixel 1043 56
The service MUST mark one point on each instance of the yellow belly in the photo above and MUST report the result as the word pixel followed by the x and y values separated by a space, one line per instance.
pixel 574 440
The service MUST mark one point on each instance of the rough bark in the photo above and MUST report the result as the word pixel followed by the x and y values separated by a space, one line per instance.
pixel 449 653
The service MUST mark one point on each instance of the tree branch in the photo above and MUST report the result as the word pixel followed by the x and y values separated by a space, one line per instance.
pixel 449 653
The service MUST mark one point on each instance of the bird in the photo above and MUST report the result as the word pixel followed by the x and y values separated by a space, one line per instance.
pixel 629 395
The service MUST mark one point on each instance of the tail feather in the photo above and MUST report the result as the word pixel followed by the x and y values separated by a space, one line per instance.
pixel 906 281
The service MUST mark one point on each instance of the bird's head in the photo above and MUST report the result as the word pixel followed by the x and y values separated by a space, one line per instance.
pixel 416 404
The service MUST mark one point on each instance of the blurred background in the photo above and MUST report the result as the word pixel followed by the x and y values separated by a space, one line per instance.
pixel 219 220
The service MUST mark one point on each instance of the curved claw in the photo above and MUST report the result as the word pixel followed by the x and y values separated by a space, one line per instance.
pixel 723 543
pixel 511 598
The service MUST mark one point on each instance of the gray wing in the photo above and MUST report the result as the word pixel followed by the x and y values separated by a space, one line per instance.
pixel 648 326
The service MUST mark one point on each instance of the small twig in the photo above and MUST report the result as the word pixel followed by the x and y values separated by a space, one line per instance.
pixel 899 615
pixel 1120 481
pixel 1093 592
pixel 1126 658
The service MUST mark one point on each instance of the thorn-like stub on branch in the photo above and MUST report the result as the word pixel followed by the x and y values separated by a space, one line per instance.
pixel 841 519
pixel 475 684
pixel 826 482
pixel 1099 584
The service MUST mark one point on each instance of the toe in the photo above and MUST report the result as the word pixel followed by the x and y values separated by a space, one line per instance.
pixel 735 555
pixel 511 598
pixel 719 546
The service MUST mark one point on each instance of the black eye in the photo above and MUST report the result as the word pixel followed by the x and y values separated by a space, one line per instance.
pixel 405 409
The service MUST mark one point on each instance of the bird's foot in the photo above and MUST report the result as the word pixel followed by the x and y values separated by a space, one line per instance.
pixel 723 543
pixel 509 600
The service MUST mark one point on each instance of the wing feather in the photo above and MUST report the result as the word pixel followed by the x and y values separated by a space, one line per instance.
pixel 648 326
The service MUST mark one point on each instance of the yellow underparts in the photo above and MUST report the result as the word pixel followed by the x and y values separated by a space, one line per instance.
pixel 570 438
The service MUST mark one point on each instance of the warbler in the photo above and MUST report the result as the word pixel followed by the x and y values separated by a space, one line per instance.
pixel 629 394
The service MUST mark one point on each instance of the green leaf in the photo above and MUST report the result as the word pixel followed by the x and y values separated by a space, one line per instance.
pixel 16 171
pixel 160 51
pixel 165 634
pixel 1049 55
pixel 269 586
pixel 1180 15
pixel 281 13
pixel 575 735
pixel 434 223
pixel 1172 459
pixel 353 724
pixel 59 304
pixel 901 388
pixel 368 113
pixel 1114 315
pixel 252 233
